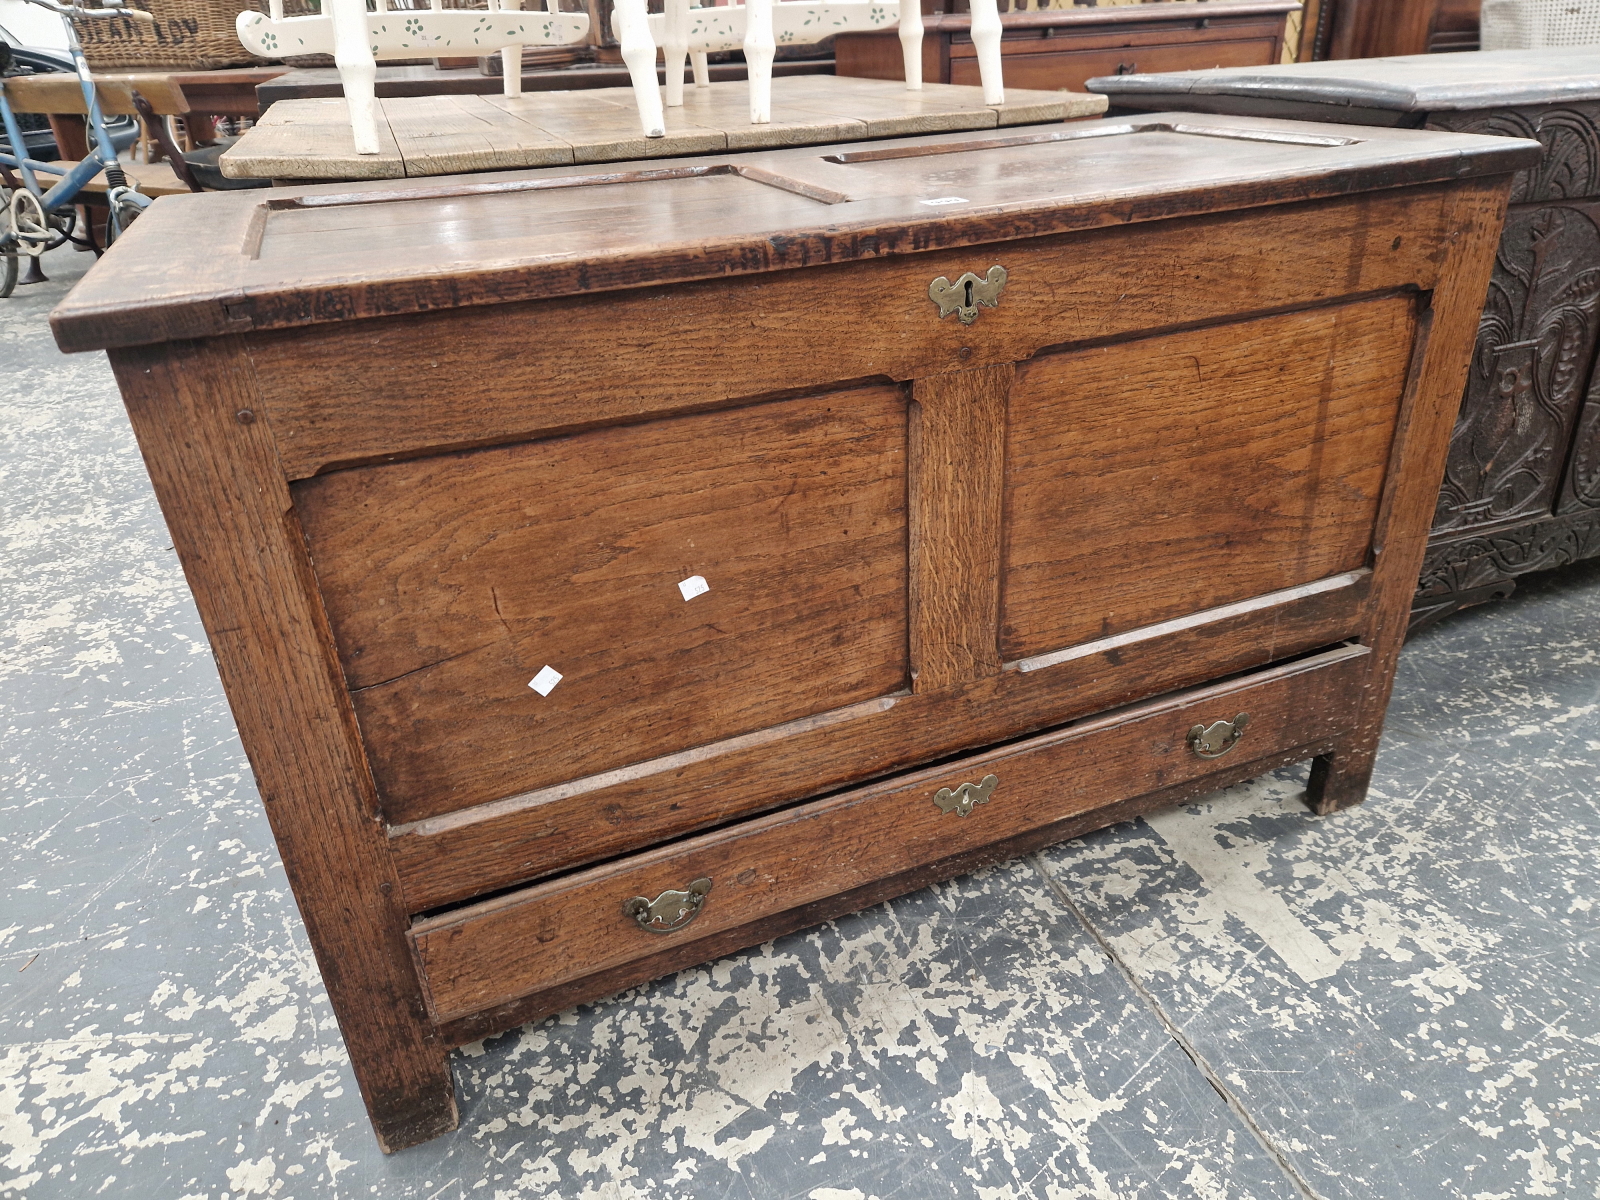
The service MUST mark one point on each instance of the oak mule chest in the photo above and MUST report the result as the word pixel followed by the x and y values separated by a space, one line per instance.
pixel 611 569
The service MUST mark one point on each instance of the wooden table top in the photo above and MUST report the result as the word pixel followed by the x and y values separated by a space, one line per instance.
pixel 446 135
pixel 1412 83
pixel 229 91
pixel 1177 12
pixel 257 260
pixel 309 83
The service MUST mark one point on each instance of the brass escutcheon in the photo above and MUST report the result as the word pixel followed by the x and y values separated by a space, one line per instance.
pixel 964 295
pixel 1216 739
pixel 961 800
pixel 670 911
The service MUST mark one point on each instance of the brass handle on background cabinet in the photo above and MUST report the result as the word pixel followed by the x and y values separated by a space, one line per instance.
pixel 670 911
pixel 961 800
pixel 1216 739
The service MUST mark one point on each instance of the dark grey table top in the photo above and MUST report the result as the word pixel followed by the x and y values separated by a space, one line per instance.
pixel 1412 83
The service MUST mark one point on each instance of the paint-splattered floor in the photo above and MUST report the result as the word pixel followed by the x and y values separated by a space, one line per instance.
pixel 1230 999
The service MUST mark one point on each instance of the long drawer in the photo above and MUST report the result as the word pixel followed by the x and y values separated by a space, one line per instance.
pixel 592 922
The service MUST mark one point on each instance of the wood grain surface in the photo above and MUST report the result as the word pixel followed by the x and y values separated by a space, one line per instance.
pixel 450 134
pixel 1084 175
pixel 490 953
pixel 675 957
pixel 492 846
pixel 958 449
pixel 1433 395
pixel 1148 478
pixel 451 581
pixel 477 376
pixel 192 409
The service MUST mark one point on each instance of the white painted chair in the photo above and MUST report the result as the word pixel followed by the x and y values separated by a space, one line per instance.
pixel 758 26
pixel 357 39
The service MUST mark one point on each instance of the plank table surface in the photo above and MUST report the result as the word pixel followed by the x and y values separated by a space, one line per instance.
pixel 416 79
pixel 444 135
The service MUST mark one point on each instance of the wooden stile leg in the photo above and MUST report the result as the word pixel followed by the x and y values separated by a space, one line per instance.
pixel 193 407
pixel 1416 465
pixel 759 49
pixel 702 68
pixel 1339 780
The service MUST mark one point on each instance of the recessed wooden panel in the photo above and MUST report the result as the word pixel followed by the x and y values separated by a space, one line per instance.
pixel 1153 477
pixel 451 581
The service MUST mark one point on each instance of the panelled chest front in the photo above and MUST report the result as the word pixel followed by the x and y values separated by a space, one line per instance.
pixel 611 570
pixel 1521 488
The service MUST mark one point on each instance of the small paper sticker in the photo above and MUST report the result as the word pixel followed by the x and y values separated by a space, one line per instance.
pixel 545 681
pixel 693 586
pixel 946 200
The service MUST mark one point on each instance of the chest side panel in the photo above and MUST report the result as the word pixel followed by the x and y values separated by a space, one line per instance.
pixel 1156 477
pixel 452 582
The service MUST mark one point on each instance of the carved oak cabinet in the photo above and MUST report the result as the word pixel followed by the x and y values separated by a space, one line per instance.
pixel 609 570
pixel 1521 490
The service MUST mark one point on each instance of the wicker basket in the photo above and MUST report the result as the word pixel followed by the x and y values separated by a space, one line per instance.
pixel 1536 24
pixel 188 35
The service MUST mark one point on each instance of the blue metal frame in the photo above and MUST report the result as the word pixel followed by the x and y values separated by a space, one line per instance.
pixel 102 158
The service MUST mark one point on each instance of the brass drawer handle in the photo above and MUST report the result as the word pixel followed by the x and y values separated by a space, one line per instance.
pixel 1216 739
pixel 670 911
pixel 962 800
pixel 964 295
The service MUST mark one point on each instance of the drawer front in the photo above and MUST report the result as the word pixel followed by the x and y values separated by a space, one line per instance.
pixel 547 936
pixel 1039 66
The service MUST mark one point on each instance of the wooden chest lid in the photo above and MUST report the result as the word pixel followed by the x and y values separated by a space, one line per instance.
pixel 231 262
pixel 1404 84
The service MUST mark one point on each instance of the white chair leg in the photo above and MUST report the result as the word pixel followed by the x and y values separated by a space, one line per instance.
pixel 510 57
pixel 675 48
pixel 358 72
pixel 511 68
pixel 911 42
pixel 702 69
pixel 639 54
pixel 758 51
pixel 986 40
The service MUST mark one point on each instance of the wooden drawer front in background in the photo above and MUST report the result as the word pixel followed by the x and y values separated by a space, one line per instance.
pixel 452 581
pixel 491 953
pixel 1063 48
pixel 1150 478
pixel 1051 66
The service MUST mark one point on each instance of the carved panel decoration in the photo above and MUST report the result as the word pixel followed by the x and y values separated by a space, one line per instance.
pixel 1583 471
pixel 1479 567
pixel 1570 169
pixel 1532 359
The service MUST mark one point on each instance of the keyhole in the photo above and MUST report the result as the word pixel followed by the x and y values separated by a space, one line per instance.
pixel 969 294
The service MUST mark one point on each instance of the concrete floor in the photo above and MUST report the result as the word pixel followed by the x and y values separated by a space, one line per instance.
pixel 1229 999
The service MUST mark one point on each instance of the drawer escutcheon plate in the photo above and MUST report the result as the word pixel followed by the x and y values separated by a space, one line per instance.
pixel 963 799
pixel 965 295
